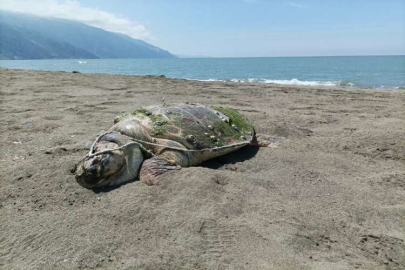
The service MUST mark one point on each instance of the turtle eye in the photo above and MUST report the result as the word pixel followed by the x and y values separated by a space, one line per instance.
pixel 105 161
pixel 111 163
pixel 94 162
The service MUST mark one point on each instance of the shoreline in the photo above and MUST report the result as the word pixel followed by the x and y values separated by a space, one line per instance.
pixel 332 196
pixel 231 81
pixel 282 82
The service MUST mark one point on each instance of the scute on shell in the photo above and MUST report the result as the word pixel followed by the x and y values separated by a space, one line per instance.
pixel 195 126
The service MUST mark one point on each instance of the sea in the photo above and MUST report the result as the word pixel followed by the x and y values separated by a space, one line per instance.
pixel 375 72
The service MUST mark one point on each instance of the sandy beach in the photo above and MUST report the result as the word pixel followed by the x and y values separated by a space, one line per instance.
pixel 331 196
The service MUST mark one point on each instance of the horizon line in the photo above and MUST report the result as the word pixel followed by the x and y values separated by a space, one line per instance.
pixel 284 56
pixel 208 57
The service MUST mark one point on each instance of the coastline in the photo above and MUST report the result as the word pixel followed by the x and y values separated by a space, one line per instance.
pixel 253 81
pixel 379 72
pixel 330 197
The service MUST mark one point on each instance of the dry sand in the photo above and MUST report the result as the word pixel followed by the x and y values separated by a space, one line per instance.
pixel 332 196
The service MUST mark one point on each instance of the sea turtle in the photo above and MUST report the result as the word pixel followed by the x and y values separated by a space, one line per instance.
pixel 155 139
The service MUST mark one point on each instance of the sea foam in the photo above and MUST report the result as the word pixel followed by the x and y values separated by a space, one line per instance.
pixel 295 82
pixel 286 82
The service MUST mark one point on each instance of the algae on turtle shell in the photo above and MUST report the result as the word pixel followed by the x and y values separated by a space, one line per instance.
pixel 158 123
pixel 232 127
pixel 237 125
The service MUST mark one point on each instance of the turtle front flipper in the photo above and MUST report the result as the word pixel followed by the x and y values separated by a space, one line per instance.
pixel 154 167
pixel 167 160
pixel 263 140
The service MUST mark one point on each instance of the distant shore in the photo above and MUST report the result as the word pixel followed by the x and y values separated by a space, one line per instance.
pixel 332 196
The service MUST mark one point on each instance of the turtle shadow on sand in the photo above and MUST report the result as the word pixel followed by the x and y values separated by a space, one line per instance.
pixel 106 189
pixel 241 155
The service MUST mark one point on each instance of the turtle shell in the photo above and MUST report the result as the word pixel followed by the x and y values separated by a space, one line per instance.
pixel 195 126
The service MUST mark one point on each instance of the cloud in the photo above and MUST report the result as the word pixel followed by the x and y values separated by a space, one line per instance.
pixel 295 5
pixel 73 10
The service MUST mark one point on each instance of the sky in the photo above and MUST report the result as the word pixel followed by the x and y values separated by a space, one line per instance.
pixel 242 28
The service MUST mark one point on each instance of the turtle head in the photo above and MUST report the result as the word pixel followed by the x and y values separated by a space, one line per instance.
pixel 109 167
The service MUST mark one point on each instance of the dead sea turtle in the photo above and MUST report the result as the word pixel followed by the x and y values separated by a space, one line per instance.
pixel 155 139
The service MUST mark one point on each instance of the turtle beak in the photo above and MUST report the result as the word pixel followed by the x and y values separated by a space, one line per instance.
pixel 100 170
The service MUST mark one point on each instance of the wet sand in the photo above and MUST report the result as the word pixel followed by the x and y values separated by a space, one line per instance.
pixel 332 196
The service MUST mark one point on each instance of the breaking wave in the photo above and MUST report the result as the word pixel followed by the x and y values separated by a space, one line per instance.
pixel 286 82
pixel 296 82
pixel 208 80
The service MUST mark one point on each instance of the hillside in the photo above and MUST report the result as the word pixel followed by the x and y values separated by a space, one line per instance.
pixel 24 36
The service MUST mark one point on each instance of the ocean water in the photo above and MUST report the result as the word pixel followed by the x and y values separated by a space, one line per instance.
pixel 386 72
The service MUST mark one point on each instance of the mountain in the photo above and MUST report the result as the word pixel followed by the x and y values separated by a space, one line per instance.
pixel 24 36
pixel 18 43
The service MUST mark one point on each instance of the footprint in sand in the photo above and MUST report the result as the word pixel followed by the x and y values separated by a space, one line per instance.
pixel 396 180
pixel 386 250
pixel 218 239
pixel 53 117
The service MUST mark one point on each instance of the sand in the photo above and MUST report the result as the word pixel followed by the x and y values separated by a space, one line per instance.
pixel 332 196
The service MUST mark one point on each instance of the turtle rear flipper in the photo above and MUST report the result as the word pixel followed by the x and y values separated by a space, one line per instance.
pixel 264 140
